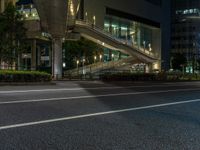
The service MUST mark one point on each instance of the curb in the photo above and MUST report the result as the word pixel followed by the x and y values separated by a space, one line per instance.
pixel 26 83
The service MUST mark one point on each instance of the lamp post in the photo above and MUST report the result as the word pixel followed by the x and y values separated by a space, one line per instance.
pixel 113 60
pixel 84 67
pixel 86 16
pixel 100 57
pixel 94 20
pixel 95 58
pixel 144 44
pixel 150 48
pixel 113 57
pixel 77 65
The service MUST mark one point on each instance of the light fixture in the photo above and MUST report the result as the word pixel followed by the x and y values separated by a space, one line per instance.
pixel 64 65
pixel 77 62
pixel 100 56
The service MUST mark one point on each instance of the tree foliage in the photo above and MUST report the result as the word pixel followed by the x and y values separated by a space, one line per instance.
pixel 12 34
pixel 77 50
pixel 178 61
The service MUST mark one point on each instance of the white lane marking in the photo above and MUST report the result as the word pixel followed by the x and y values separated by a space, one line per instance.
pixel 78 89
pixel 95 114
pixel 96 96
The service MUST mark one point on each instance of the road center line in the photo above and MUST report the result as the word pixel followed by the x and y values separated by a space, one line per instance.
pixel 96 96
pixel 78 89
pixel 95 114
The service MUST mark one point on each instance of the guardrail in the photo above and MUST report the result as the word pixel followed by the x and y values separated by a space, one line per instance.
pixel 97 67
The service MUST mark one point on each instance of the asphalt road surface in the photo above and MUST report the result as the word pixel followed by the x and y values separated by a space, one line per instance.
pixel 100 116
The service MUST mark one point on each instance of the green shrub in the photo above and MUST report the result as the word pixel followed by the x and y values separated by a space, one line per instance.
pixel 24 76
pixel 128 77
pixel 149 77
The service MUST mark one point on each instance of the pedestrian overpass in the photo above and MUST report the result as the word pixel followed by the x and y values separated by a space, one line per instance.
pixel 53 15
pixel 99 36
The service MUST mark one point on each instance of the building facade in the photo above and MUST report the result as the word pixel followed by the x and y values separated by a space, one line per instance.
pixel 186 32
pixel 145 24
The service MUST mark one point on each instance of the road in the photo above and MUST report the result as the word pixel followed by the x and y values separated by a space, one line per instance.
pixel 100 116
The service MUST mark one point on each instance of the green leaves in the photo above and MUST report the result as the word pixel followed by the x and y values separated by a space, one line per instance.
pixel 76 50
pixel 24 76
pixel 12 34
pixel 178 60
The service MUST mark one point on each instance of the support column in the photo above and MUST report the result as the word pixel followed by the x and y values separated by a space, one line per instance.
pixel 2 5
pixel 57 56
pixel 33 56
pixel 148 68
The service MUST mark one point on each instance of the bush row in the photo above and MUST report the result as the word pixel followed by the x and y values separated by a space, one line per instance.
pixel 127 77
pixel 24 76
pixel 148 77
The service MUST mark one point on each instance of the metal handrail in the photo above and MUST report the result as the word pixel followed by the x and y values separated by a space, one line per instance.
pixel 98 66
pixel 120 41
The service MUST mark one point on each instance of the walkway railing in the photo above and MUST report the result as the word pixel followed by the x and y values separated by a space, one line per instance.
pixel 131 45
pixel 96 67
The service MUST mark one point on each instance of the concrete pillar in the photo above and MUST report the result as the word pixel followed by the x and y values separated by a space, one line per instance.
pixel 148 68
pixel 33 56
pixel 57 56
pixel 2 5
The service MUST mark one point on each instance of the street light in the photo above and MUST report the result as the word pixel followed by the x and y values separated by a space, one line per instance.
pixel 150 49
pixel 77 63
pixel 64 64
pixel 94 20
pixel 86 16
pixel 144 44
pixel 84 67
pixel 100 56
pixel 113 57
pixel 95 58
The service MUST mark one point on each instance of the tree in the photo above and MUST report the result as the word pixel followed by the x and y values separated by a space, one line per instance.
pixel 12 34
pixel 178 61
pixel 76 50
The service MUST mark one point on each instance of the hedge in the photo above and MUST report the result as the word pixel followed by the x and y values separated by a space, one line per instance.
pixel 149 77
pixel 24 76
pixel 128 77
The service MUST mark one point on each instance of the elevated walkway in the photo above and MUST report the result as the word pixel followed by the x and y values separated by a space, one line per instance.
pixel 99 36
